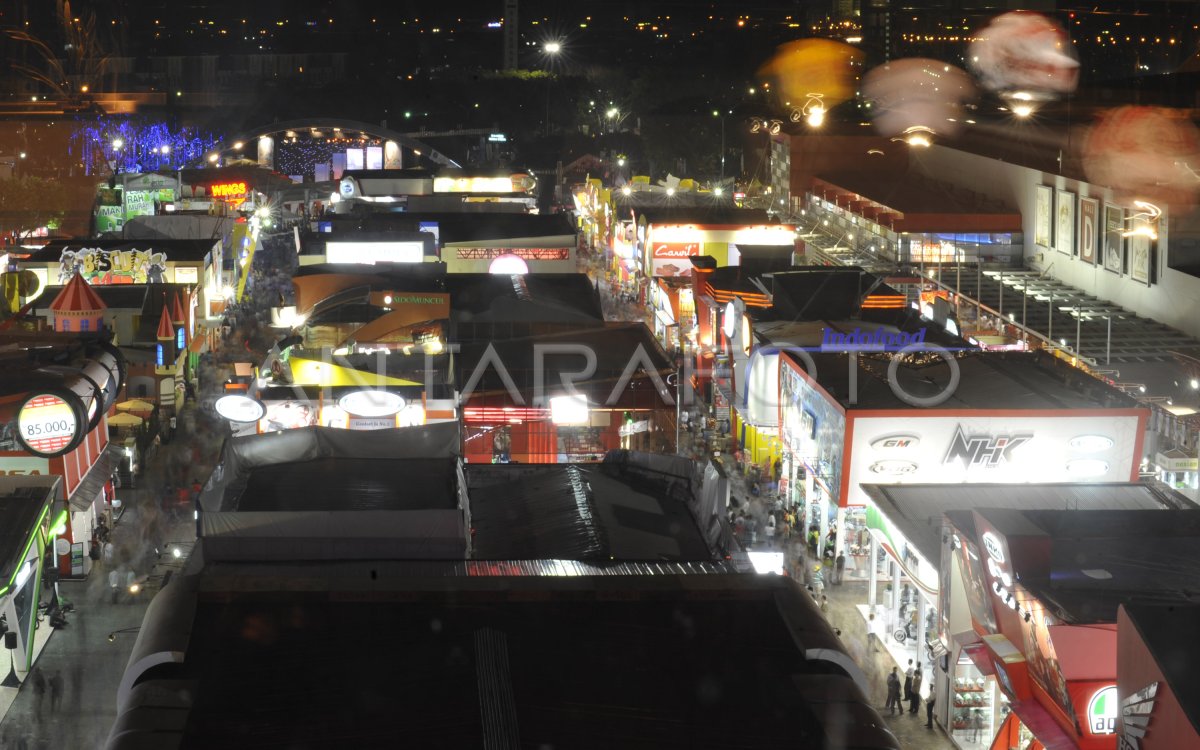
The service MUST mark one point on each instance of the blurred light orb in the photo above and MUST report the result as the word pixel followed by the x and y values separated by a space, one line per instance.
pixel 917 98
pixel 1025 56
pixel 1149 153
pixel 813 74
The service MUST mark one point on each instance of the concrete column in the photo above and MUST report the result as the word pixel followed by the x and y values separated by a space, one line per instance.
pixel 873 575
pixel 839 544
pixel 895 603
pixel 922 612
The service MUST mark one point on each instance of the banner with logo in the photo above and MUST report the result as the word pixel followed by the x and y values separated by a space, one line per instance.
pixel 98 266
pixel 1026 447
pixel 671 258
pixel 812 428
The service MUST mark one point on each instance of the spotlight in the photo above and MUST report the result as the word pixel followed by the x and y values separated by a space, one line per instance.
pixel 176 553
pixel 112 637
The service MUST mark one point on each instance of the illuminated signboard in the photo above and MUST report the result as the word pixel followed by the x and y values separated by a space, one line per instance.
pixel 239 408
pixel 229 191
pixel 372 404
pixel 671 258
pixel 491 253
pixel 1103 710
pixel 473 185
pixel 187 275
pixel 47 425
pixel 371 253
pixel 99 266
pixel 1091 447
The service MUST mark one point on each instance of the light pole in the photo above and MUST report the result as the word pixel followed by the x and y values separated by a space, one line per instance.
pixel 551 49
pixel 718 114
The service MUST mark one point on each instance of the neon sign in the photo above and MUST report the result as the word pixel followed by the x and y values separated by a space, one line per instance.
pixel 229 191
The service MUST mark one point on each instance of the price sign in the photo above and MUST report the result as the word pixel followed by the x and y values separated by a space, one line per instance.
pixel 47 425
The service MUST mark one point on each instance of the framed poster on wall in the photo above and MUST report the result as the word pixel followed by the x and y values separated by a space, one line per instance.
pixel 1064 226
pixel 1139 257
pixel 1089 209
pixel 1114 226
pixel 1042 213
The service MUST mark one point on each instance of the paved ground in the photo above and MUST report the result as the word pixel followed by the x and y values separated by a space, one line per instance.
pixel 90 665
pixel 842 613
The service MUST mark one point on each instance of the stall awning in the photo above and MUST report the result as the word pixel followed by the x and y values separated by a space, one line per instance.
pixel 101 471
pixel 197 344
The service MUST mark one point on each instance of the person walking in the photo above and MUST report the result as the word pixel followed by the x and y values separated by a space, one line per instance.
pixel 976 725
pixel 908 679
pixel 929 702
pixel 56 691
pixel 818 582
pixel 839 568
pixel 893 690
pixel 915 699
pixel 771 531
pixel 873 632
pixel 39 693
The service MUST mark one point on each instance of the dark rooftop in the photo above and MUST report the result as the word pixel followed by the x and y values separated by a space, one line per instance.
pixel 594 662
pixel 593 512
pixel 917 509
pixel 928 205
pixel 459 226
pixel 126 296
pixel 988 380
pixel 1101 559
pixel 334 483
pixel 19 511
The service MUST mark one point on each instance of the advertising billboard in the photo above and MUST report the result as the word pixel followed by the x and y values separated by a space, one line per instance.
pixel 1019 447
pixel 671 258
pixel 101 266
pixel 370 253
pixel 812 427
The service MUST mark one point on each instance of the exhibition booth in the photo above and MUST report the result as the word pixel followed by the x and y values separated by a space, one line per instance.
pixel 1030 610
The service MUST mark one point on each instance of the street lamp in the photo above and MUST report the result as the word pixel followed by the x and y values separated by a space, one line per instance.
pixel 550 49
pixel 718 114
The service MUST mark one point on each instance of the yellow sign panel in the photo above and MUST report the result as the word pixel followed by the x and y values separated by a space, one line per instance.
pixel 315 372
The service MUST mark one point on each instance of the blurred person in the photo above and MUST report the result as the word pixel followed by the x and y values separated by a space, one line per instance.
pixel 56 691
pixel 914 704
pixel 893 691
pixel 908 680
